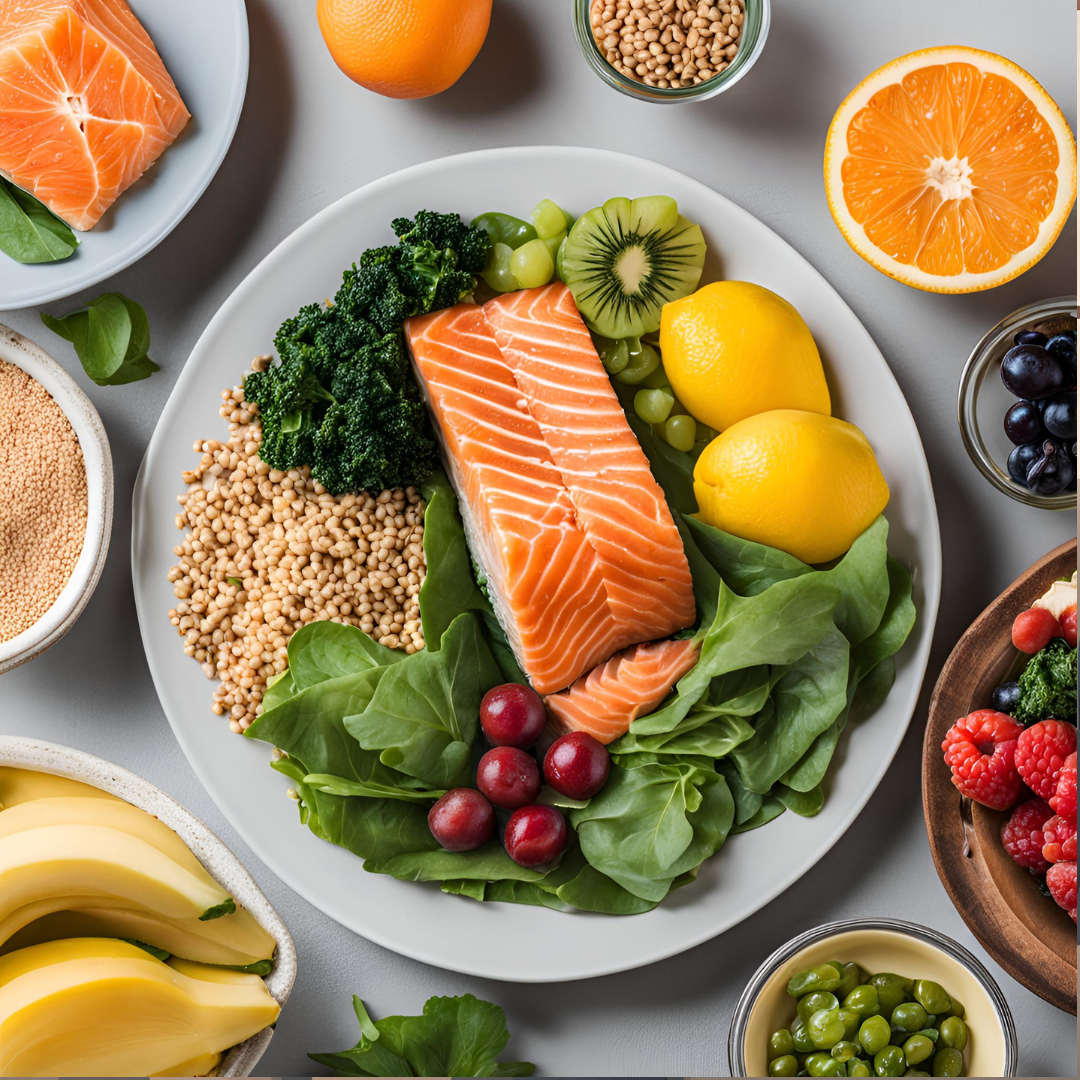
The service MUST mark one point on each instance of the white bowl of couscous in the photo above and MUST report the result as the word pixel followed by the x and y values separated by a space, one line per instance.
pixel 56 517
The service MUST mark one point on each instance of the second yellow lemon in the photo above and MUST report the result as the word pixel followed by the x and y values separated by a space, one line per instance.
pixel 799 481
pixel 733 349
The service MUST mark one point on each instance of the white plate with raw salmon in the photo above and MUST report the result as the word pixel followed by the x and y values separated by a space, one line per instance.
pixel 560 553
pixel 137 103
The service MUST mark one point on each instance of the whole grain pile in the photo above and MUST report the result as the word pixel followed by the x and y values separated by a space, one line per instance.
pixel 44 506
pixel 266 552
pixel 668 43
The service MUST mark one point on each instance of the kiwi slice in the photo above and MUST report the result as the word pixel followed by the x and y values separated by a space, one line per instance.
pixel 626 259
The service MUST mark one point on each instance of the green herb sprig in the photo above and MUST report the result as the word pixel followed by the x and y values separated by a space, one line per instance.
pixel 29 231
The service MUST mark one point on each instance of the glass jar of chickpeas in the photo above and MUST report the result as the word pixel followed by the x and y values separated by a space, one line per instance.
pixel 671 50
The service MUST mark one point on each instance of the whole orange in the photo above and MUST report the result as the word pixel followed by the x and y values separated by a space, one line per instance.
pixel 404 48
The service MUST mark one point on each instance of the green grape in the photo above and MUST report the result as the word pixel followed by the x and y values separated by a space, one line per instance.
pixel 554 243
pixel 549 219
pixel 653 406
pixel 614 355
pixel 679 431
pixel 497 272
pixel 643 362
pixel 505 229
pixel 658 380
pixel 532 264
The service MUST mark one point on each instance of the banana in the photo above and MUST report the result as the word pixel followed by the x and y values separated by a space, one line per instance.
pixel 100 1007
pixel 200 1066
pixel 22 785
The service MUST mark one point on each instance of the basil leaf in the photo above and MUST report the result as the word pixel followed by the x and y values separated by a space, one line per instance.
pixel 29 231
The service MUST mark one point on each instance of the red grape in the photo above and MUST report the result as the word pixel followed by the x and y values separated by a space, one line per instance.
pixel 512 715
pixel 577 765
pixel 535 835
pixel 1033 629
pixel 509 777
pixel 462 820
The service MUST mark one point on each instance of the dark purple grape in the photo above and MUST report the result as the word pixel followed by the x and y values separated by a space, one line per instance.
pixel 1063 348
pixel 1060 416
pixel 1052 471
pixel 1024 424
pixel 1006 697
pixel 1021 459
pixel 1030 372
pixel 1031 337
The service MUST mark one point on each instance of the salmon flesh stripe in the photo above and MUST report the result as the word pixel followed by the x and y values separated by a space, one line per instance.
pixel 557 577
pixel 86 103
pixel 619 504
pixel 613 695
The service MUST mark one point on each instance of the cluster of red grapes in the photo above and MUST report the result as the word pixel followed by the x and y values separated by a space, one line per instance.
pixel 508 777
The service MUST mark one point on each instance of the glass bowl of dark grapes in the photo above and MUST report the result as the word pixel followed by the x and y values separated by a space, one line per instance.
pixel 1017 404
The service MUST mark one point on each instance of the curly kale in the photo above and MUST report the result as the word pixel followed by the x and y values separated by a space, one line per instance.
pixel 343 399
pixel 1048 685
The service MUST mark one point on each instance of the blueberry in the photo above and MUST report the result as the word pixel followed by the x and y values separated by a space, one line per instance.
pixel 1030 372
pixel 1024 424
pixel 1060 416
pixel 1031 337
pixel 1053 471
pixel 1021 459
pixel 1005 697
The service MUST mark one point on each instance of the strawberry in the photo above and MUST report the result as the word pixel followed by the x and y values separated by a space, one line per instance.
pixel 980 751
pixel 1041 751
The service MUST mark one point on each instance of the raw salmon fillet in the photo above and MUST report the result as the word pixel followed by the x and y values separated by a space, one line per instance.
pixel 86 105
pixel 611 697
pixel 619 504
pixel 577 564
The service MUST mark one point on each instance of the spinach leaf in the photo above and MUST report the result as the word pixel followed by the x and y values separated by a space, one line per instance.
pixel 770 809
pixel 803 803
pixel 339 785
pixel 455 1036
pixel 327 650
pixel 487 863
pixel 29 231
pixel 747 567
pixel 696 734
pixel 111 336
pixel 424 713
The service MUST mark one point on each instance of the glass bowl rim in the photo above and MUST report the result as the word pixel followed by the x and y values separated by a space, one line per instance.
pixel 971 380
pixel 741 1015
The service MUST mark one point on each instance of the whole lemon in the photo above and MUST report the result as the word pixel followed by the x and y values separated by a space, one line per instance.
pixel 733 349
pixel 404 48
pixel 803 482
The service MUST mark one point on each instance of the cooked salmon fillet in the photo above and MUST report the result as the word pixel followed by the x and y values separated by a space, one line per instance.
pixel 86 105
pixel 611 697
pixel 560 565
pixel 619 504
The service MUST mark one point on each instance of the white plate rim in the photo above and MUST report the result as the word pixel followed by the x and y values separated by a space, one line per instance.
pixel 121 260
pixel 930 573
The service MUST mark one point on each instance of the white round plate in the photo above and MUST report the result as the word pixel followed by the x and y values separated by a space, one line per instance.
pixel 504 941
pixel 204 44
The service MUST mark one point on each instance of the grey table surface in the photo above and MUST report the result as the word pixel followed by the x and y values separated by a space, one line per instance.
pixel 308 136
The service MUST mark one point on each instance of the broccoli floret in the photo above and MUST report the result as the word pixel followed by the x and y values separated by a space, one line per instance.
pixel 446 232
pixel 1048 685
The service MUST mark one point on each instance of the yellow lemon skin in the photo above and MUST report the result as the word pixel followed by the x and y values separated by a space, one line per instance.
pixel 734 349
pixel 799 481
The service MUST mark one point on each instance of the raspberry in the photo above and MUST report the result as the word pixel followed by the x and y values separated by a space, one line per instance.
pixel 1059 840
pixel 980 749
pixel 1022 835
pixel 1041 752
pixel 1063 800
pixel 1061 881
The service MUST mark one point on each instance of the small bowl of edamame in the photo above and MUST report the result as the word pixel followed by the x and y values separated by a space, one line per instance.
pixel 872 997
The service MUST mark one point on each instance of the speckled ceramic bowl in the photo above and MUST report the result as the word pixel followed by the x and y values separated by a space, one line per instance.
pixel 221 863
pixel 83 417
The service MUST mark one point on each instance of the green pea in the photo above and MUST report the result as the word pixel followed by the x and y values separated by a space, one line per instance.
pixel 780 1044
pixel 957 1008
pixel 889 1062
pixel 653 406
pixel 844 1050
pixel 898 1037
pixel 819 999
pixel 931 1020
pixel 857 1067
pixel 852 1020
pixel 505 229
pixel 800 1036
pixel 930 1032
pixel 915 1072
pixel 680 431
pixel 863 1000
pixel 849 977
pixel 821 977
pixel 954 1033
pixel 892 990
pixel 824 1065
pixel 932 997
pixel 783 1066
pixel 948 1062
pixel 825 1027
pixel 917 1048
pixel 909 1017
pixel 874 1034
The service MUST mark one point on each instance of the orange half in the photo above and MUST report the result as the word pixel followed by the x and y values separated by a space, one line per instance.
pixel 950 169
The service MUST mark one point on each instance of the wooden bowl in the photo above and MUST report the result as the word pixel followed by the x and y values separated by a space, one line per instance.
pixel 1020 927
